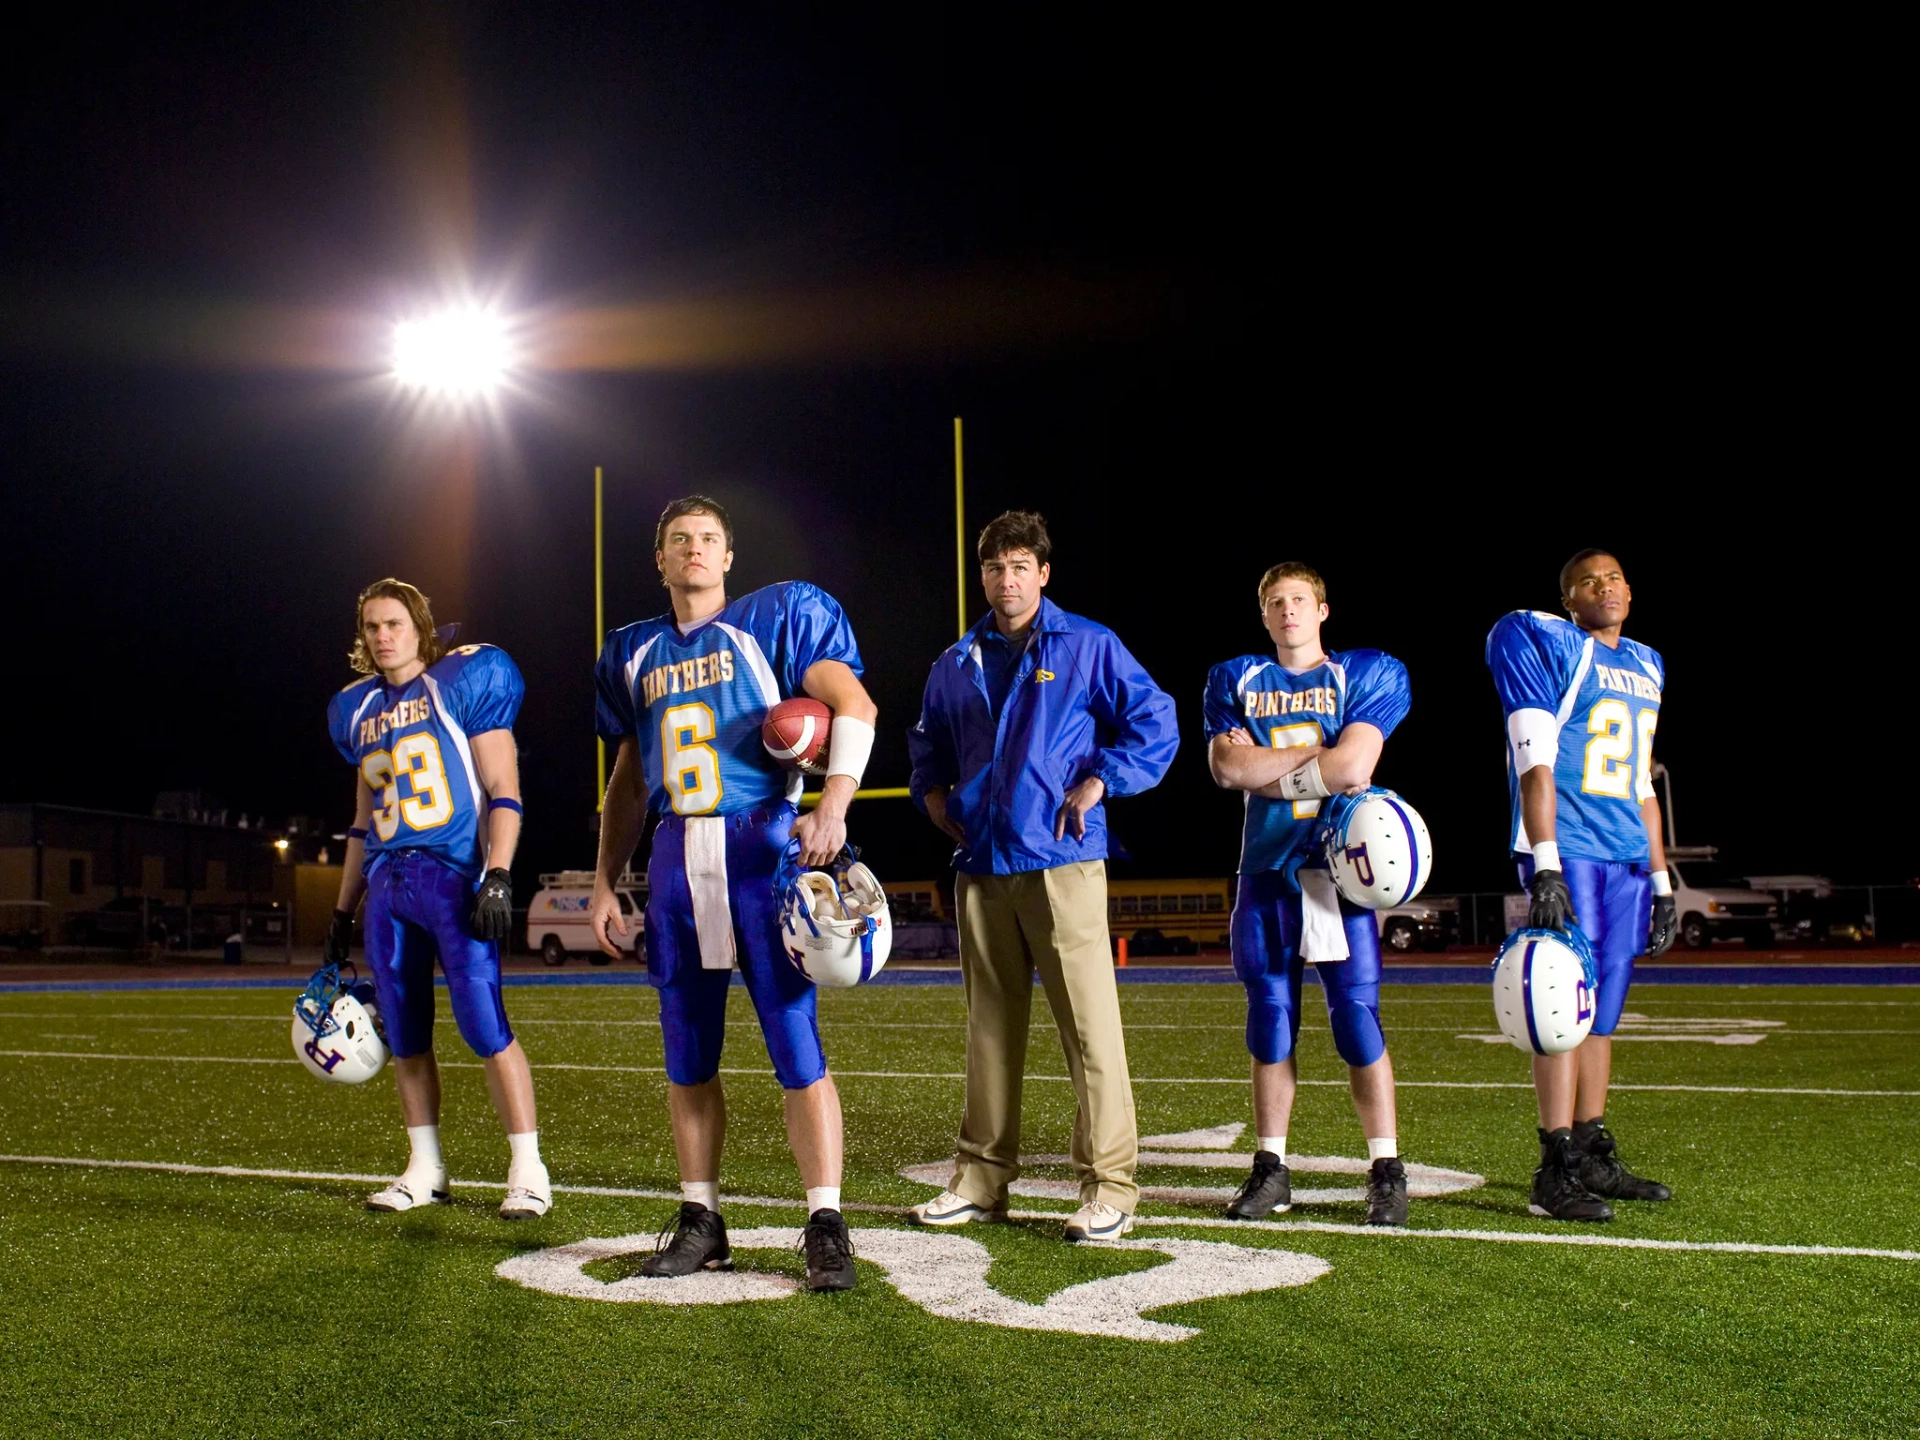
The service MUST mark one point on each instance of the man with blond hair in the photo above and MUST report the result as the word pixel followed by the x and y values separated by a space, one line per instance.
pixel 1289 728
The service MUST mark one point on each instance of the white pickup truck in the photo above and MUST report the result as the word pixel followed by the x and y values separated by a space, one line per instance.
pixel 557 923
pixel 1715 904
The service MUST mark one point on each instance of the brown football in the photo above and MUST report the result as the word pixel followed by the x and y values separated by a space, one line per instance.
pixel 796 732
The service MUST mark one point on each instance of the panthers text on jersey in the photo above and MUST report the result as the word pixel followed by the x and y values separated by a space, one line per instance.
pixel 1284 708
pixel 694 702
pixel 1597 708
pixel 411 745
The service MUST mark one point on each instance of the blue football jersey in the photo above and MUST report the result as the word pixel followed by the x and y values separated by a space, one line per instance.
pixel 695 702
pixel 1603 705
pixel 1284 708
pixel 410 744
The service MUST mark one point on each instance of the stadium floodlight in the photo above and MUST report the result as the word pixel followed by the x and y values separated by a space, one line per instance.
pixel 457 352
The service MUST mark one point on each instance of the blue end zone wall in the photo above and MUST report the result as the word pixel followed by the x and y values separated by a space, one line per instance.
pixel 1154 975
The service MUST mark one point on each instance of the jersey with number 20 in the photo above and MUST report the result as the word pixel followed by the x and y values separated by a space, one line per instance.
pixel 694 702
pixel 1603 706
pixel 410 744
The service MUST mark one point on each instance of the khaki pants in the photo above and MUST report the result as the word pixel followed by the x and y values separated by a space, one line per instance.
pixel 1054 921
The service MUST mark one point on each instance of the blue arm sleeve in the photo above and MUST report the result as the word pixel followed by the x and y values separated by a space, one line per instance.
pixel 486 695
pixel 1126 699
pixel 613 717
pixel 813 628
pixel 1379 693
pixel 1219 706
pixel 930 746
pixel 1522 668
pixel 340 724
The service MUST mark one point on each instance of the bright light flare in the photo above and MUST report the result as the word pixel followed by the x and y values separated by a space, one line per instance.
pixel 459 352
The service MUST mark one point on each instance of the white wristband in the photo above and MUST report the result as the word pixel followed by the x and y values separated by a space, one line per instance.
pixel 1662 884
pixel 1546 856
pixel 1305 783
pixel 849 747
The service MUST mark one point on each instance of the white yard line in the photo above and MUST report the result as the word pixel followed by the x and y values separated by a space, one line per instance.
pixel 1313 1227
pixel 961 1075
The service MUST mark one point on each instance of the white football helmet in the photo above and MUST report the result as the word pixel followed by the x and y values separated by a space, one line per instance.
pixel 1544 987
pixel 1377 847
pixel 834 923
pixel 336 1029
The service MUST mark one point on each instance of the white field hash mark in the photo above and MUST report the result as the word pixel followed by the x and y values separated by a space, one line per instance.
pixel 1316 1227
pixel 946 1275
pixel 1237 1080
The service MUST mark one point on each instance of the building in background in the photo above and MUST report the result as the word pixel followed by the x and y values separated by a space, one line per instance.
pixel 98 878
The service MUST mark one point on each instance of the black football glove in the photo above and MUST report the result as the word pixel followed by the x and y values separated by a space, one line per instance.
pixel 1666 924
pixel 493 906
pixel 339 941
pixel 1552 907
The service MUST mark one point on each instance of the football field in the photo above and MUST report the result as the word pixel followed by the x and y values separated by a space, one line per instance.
pixel 186 1252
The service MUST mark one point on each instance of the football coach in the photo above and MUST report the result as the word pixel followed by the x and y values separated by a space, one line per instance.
pixel 1029 723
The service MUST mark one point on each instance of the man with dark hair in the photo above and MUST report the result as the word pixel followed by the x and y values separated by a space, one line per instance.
pixel 683 696
pixel 1028 724
pixel 436 820
pixel 1290 728
pixel 1582 702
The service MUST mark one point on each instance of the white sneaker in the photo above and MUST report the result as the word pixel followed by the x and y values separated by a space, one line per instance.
pixel 947 1208
pixel 411 1190
pixel 529 1195
pixel 1095 1221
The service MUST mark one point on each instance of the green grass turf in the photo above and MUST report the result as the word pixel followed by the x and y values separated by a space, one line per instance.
pixel 138 1303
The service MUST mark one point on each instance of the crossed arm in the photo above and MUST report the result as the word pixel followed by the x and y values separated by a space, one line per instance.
pixel 1238 762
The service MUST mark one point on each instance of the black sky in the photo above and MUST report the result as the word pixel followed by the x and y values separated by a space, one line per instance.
pixel 1431 328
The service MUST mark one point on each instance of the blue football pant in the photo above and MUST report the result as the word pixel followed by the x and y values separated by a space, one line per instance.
pixel 417 907
pixel 1266 957
pixel 693 1001
pixel 1613 907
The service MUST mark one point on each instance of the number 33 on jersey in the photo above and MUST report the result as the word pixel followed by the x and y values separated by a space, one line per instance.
pixel 411 745
pixel 693 701
pixel 1596 709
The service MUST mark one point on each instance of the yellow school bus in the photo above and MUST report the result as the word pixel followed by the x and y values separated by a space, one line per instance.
pixel 1169 917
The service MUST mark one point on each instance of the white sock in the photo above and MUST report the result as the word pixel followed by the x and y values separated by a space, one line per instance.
pixel 1277 1144
pixel 701 1192
pixel 823 1197
pixel 525 1166
pixel 423 1157
pixel 1386 1147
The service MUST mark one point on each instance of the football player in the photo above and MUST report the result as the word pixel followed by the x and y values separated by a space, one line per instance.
pixel 1291 728
pixel 683 697
pixel 436 818
pixel 1581 702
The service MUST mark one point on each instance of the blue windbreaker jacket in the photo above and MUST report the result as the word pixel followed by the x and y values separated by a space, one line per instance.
pixel 1079 705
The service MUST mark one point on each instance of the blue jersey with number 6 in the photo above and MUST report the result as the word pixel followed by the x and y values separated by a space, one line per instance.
pixel 1284 708
pixel 694 702
pixel 412 745
pixel 1601 704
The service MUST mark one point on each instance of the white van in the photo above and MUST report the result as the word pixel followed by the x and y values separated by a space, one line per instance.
pixel 557 924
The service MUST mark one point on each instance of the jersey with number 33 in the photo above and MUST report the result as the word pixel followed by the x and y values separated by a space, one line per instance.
pixel 1603 705
pixel 412 745
pixel 1284 708
pixel 694 702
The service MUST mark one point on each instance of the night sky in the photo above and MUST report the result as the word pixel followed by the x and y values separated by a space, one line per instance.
pixel 1209 298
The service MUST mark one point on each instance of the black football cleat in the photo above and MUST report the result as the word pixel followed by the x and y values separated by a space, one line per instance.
pixel 1600 1169
pixel 1557 1191
pixel 699 1243
pixel 1268 1189
pixel 1386 1192
pixel 829 1251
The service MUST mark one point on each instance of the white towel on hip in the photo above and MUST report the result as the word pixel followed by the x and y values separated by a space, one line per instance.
pixel 706 854
pixel 1323 932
